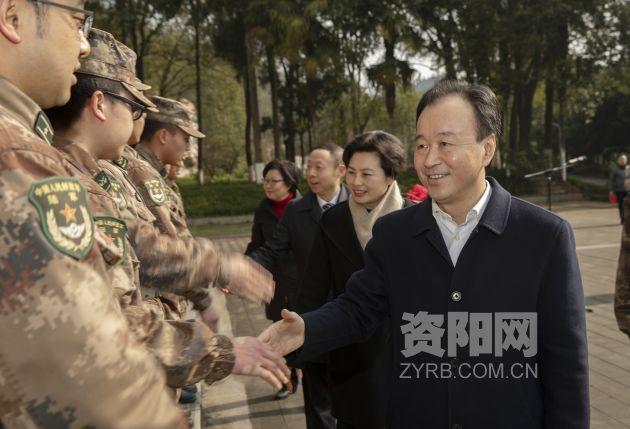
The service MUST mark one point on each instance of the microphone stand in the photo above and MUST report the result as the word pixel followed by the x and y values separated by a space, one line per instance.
pixel 549 173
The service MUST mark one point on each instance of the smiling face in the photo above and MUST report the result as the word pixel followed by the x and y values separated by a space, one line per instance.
pixel 366 179
pixel 275 187
pixel 448 158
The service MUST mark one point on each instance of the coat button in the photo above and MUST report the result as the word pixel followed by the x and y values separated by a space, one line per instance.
pixel 456 296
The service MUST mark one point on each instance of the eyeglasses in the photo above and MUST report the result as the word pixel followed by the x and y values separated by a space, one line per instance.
pixel 86 21
pixel 271 182
pixel 137 109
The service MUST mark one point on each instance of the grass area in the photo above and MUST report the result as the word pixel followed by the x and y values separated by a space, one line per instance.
pixel 220 199
pixel 242 197
pixel 243 229
pixel 590 191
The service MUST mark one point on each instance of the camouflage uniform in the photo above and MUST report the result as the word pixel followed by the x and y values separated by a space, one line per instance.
pixel 149 174
pixel 67 357
pixel 622 287
pixel 188 351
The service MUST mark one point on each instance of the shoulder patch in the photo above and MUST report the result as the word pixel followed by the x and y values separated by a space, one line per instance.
pixel 64 214
pixel 122 162
pixel 156 191
pixel 117 192
pixel 103 180
pixel 43 128
pixel 115 230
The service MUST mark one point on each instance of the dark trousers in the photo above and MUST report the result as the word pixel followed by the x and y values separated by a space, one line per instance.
pixel 317 403
pixel 620 198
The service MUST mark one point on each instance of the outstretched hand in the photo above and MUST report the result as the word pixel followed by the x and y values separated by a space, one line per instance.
pixel 243 277
pixel 286 335
pixel 257 359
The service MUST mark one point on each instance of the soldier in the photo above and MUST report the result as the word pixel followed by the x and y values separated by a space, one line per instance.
pixel 67 357
pixel 622 287
pixel 97 123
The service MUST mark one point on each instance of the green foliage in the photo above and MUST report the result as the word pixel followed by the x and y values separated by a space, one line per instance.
pixel 590 191
pixel 220 198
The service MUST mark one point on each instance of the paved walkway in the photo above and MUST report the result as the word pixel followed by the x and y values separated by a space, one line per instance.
pixel 244 403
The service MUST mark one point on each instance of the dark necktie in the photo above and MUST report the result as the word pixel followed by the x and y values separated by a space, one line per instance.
pixel 327 206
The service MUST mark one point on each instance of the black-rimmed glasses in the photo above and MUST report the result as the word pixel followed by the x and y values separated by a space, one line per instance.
pixel 137 109
pixel 86 21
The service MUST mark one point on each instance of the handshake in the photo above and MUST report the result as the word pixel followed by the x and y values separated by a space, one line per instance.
pixel 262 356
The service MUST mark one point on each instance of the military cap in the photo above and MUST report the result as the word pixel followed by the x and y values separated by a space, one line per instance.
pixel 175 113
pixel 112 60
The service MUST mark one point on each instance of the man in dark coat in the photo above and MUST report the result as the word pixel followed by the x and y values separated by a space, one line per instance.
pixel 294 234
pixel 483 290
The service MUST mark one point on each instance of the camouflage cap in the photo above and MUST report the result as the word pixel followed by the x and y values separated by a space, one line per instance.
pixel 111 59
pixel 175 113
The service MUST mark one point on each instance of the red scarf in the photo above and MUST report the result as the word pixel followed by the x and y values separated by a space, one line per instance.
pixel 280 206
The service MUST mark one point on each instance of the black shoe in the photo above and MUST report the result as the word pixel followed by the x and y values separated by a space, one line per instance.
pixel 282 393
pixel 189 395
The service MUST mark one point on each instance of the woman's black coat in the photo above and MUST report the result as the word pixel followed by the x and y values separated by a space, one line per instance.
pixel 284 271
pixel 360 373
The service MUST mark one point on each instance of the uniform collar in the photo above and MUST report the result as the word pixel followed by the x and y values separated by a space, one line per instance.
pixel 148 155
pixel 79 157
pixel 25 110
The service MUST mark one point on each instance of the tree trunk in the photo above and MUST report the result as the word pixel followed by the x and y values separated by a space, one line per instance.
pixel 248 130
pixel 525 113
pixel 311 92
pixel 516 100
pixel 288 111
pixel 390 86
pixel 273 79
pixel 548 136
pixel 198 87
pixel 255 115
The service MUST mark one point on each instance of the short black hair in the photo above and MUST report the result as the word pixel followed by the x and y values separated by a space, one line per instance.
pixel 335 151
pixel 288 170
pixel 482 98
pixel 63 117
pixel 387 146
pixel 151 127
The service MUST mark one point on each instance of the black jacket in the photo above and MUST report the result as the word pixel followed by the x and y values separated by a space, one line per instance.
pixel 294 233
pixel 359 372
pixel 284 270
pixel 519 259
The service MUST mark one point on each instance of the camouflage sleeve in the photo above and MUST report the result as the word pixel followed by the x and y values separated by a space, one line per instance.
pixel 622 286
pixel 72 361
pixel 188 351
pixel 193 263
pixel 154 195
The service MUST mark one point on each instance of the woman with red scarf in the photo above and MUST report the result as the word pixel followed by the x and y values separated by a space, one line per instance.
pixel 281 179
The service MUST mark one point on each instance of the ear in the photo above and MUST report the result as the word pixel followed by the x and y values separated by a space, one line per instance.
pixel 97 107
pixel 163 136
pixel 489 147
pixel 9 20
pixel 342 170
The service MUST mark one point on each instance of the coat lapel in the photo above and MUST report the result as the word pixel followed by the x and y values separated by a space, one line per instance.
pixel 427 227
pixel 341 233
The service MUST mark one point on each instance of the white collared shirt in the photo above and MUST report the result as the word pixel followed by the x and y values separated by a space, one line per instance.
pixel 455 236
pixel 334 201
